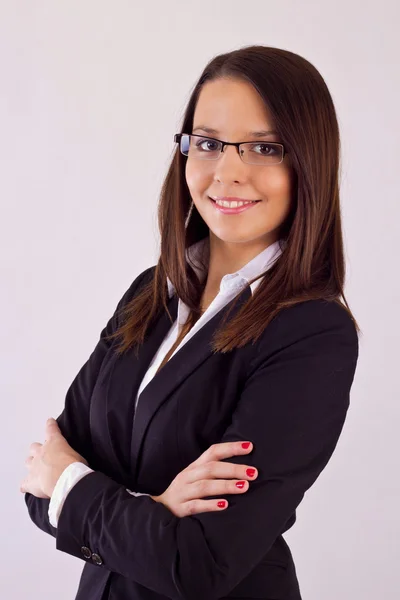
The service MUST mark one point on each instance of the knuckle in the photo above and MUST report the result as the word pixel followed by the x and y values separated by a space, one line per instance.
pixel 200 486
pixel 241 472
pixel 180 476
pixel 213 449
pixel 209 468
pixel 191 507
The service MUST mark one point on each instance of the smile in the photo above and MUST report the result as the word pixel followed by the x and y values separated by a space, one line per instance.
pixel 232 208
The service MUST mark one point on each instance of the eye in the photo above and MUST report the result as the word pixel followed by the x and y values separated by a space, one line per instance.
pixel 207 145
pixel 266 149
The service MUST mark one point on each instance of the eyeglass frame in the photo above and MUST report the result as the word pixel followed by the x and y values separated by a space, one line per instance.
pixel 178 137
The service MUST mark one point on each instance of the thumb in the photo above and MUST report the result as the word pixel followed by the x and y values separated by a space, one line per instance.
pixel 52 427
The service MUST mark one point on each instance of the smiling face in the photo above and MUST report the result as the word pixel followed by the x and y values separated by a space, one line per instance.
pixel 233 108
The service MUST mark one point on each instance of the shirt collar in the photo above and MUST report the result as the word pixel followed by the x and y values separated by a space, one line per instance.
pixel 257 265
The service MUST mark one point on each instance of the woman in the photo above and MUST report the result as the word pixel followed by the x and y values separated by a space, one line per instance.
pixel 237 336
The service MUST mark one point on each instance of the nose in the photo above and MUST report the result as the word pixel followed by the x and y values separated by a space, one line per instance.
pixel 229 166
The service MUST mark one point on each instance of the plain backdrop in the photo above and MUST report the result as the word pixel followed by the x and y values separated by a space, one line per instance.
pixel 91 94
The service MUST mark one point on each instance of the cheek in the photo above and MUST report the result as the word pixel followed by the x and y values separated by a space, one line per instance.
pixel 277 189
pixel 276 185
pixel 197 179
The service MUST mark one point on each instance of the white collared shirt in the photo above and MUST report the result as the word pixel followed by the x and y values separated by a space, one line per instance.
pixel 231 285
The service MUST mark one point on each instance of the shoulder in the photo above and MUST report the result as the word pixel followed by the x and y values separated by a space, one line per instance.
pixel 137 284
pixel 133 289
pixel 313 325
pixel 313 316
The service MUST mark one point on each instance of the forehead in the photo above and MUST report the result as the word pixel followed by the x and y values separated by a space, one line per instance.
pixel 231 107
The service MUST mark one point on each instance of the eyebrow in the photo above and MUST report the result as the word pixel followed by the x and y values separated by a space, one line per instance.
pixel 256 134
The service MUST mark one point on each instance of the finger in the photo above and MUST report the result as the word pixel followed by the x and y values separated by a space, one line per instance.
pixel 28 461
pixel 22 487
pixel 195 507
pixel 220 470
pixel 34 448
pixel 222 450
pixel 215 487
pixel 52 427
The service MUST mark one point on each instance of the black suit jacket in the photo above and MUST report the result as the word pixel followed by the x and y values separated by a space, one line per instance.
pixel 288 394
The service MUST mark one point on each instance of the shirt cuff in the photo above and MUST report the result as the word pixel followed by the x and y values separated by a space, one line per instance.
pixel 68 478
pixel 137 493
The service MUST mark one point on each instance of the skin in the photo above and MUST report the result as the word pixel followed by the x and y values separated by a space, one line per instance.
pixel 47 461
pixel 234 108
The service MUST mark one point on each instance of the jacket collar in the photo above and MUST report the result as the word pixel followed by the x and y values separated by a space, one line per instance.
pixel 197 255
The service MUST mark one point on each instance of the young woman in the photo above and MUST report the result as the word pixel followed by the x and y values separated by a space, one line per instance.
pixel 219 388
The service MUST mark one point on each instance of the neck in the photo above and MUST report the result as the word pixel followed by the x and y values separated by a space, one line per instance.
pixel 229 257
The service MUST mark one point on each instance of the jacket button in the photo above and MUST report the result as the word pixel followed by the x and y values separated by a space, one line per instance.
pixel 96 558
pixel 87 553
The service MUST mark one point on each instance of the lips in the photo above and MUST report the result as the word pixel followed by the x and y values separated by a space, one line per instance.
pixel 232 199
pixel 232 210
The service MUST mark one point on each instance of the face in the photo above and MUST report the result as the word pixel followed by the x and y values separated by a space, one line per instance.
pixel 233 108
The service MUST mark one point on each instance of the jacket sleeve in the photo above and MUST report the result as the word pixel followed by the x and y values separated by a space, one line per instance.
pixel 74 419
pixel 68 478
pixel 292 408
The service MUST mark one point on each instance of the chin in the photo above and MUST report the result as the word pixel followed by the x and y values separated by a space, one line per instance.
pixel 234 237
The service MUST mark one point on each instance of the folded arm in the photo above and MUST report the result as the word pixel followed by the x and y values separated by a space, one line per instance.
pixel 74 419
pixel 292 408
pixel 70 477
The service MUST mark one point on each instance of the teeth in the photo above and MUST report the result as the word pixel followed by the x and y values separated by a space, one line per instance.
pixel 233 204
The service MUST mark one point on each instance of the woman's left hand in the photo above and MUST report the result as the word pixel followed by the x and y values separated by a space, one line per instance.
pixel 47 461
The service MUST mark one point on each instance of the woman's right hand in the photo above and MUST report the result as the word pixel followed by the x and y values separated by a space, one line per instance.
pixel 207 476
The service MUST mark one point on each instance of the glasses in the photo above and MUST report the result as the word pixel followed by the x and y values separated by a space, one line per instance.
pixel 252 153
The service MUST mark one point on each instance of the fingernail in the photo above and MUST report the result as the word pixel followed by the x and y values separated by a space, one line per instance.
pixel 250 472
pixel 240 484
pixel 221 504
pixel 245 445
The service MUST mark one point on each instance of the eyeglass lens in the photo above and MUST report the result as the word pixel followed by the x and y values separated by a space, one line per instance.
pixel 204 148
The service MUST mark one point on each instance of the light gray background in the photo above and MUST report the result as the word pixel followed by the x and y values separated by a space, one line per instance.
pixel 91 95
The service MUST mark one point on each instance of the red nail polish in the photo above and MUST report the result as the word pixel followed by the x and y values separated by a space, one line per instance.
pixel 250 472
pixel 245 445
pixel 239 484
pixel 221 504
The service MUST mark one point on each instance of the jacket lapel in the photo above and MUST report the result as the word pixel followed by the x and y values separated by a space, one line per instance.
pixel 126 374
pixel 124 427
pixel 189 357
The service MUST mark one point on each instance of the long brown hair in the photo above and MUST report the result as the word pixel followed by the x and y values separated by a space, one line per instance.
pixel 312 264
